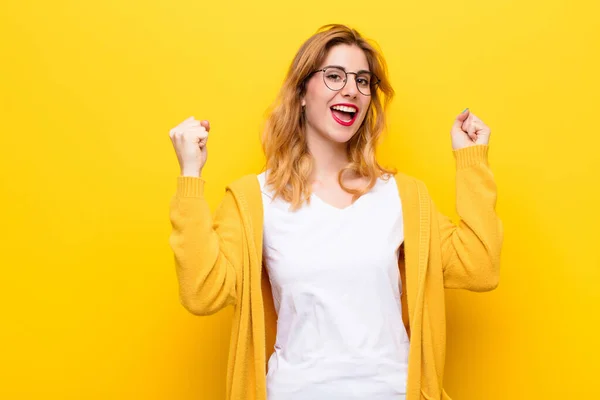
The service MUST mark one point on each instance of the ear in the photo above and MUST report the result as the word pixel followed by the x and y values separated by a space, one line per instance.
pixel 303 103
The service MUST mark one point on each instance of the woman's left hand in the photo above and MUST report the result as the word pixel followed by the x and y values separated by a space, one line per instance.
pixel 468 130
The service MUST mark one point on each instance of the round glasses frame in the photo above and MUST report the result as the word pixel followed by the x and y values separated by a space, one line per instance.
pixel 373 82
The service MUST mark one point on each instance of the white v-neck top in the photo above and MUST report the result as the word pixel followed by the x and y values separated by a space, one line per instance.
pixel 336 288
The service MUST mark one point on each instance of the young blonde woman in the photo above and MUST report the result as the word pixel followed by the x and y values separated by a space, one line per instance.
pixel 336 266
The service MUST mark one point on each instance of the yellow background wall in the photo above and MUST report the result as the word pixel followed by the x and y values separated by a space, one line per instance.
pixel 89 91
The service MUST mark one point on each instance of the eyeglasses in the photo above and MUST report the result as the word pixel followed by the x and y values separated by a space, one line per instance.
pixel 335 78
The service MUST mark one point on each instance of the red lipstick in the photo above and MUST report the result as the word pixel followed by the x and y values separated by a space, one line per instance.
pixel 341 122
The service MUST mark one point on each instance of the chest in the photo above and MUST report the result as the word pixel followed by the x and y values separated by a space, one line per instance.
pixel 334 195
pixel 358 242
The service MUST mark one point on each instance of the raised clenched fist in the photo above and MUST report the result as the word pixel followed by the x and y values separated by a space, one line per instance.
pixel 468 130
pixel 189 140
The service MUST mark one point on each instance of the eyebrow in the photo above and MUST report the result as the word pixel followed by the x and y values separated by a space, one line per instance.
pixel 340 67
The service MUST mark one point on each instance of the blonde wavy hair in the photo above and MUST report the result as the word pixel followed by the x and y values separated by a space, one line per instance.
pixel 288 160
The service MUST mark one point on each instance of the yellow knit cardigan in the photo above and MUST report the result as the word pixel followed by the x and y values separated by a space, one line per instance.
pixel 219 263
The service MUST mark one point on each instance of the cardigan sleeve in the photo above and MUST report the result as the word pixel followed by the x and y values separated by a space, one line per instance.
pixel 208 251
pixel 471 248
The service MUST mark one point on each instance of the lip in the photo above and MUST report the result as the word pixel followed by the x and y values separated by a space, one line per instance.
pixel 345 123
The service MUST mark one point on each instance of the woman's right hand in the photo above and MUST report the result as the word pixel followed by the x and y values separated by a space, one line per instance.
pixel 189 140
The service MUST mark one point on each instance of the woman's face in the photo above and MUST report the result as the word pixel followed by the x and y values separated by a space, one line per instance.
pixel 321 118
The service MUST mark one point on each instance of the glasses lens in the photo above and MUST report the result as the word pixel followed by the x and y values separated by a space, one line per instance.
pixel 334 78
pixel 364 82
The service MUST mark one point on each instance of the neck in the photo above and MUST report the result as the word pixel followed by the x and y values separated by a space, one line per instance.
pixel 328 158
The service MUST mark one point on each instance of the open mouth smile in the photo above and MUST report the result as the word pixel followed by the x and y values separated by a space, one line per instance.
pixel 344 114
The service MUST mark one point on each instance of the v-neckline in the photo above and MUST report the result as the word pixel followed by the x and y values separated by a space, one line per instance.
pixel 313 195
pixel 337 209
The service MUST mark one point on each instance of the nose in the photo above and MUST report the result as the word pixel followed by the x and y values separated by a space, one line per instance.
pixel 350 89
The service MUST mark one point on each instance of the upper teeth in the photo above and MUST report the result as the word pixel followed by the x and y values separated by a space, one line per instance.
pixel 344 108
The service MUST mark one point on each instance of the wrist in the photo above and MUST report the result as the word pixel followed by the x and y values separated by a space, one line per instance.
pixel 191 172
pixel 471 155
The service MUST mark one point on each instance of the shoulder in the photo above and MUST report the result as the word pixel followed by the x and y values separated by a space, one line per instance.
pixel 262 181
pixel 247 184
pixel 247 194
pixel 251 186
pixel 406 180
pixel 411 189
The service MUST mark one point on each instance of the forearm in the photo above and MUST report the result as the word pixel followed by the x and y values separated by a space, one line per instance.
pixel 206 277
pixel 471 249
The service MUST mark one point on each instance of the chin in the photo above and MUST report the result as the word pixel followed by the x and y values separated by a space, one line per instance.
pixel 340 137
pixel 340 134
pixel 335 133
